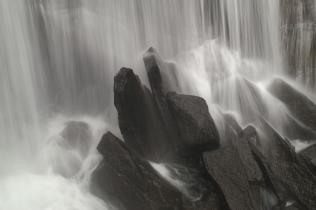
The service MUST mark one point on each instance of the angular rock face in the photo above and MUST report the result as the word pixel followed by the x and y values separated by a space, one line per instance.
pixel 138 120
pixel 300 106
pixel 310 153
pixel 129 182
pixel 236 172
pixel 196 127
pixel 289 173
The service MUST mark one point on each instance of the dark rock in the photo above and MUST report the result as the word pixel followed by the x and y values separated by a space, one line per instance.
pixel 310 153
pixel 130 182
pixel 138 118
pixel 196 126
pixel 288 173
pixel 299 105
pixel 159 88
pixel 197 186
pixel 236 172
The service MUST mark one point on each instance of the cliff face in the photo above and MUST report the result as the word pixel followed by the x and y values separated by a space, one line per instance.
pixel 298 31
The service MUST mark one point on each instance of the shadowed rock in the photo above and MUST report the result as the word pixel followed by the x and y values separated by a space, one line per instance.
pixel 310 153
pixel 129 182
pixel 159 88
pixel 138 118
pixel 236 172
pixel 300 105
pixel 289 173
pixel 195 124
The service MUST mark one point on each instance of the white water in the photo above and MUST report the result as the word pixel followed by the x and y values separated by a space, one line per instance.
pixel 58 58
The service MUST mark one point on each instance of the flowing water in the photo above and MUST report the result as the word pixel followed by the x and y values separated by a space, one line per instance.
pixel 58 59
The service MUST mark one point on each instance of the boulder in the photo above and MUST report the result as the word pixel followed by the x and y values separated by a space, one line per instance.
pixel 300 106
pixel 236 172
pixel 289 174
pixel 130 182
pixel 138 117
pixel 194 122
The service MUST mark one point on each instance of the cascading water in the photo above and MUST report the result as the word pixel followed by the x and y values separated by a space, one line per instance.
pixel 58 59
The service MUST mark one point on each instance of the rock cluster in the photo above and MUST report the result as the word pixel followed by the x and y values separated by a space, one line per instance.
pixel 248 171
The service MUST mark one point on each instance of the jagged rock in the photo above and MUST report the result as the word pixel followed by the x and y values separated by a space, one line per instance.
pixel 195 124
pixel 153 65
pixel 236 172
pixel 300 105
pixel 138 119
pixel 310 153
pixel 130 182
pixel 288 173
pixel 202 191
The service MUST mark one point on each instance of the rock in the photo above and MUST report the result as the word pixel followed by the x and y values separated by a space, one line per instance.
pixel 138 117
pixel 289 173
pixel 238 93
pixel 296 130
pixel 130 182
pixel 77 135
pixel 195 184
pixel 159 88
pixel 299 105
pixel 236 172
pixel 67 150
pixel 310 153
pixel 195 124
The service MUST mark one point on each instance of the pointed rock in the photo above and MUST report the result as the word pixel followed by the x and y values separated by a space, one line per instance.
pixel 130 182
pixel 154 65
pixel 288 172
pixel 299 104
pixel 138 118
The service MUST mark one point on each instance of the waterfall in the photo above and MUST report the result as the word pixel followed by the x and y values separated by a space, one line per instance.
pixel 58 59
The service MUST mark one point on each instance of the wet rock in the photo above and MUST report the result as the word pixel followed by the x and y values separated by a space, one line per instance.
pixel 77 135
pixel 288 173
pixel 159 87
pixel 296 130
pixel 130 182
pixel 197 186
pixel 299 104
pixel 236 172
pixel 310 153
pixel 138 117
pixel 194 122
